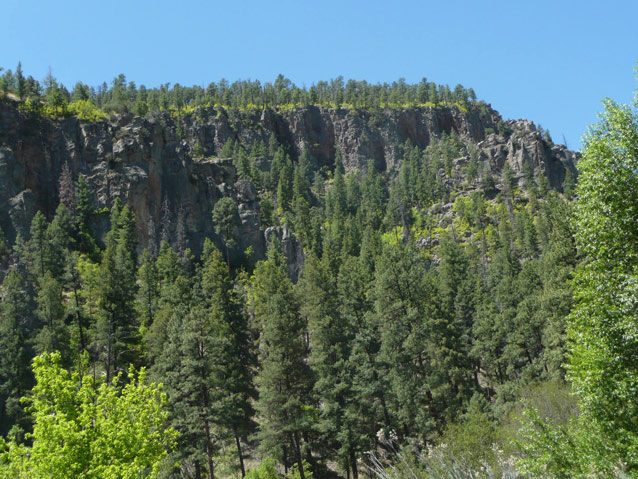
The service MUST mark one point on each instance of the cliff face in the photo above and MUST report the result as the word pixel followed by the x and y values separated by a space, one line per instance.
pixel 149 162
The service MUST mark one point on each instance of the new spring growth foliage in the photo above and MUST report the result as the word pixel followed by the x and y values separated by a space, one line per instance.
pixel 90 429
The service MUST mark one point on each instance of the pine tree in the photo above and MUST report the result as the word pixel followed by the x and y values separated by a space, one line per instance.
pixel 181 240
pixel 284 380
pixel 20 82
pixel 408 318
pixel 17 328
pixel 83 215
pixel 166 222
pixel 116 338
pixel 226 219
pixel 332 338
pixel 174 293
pixel 72 279
pixel 148 292
pixel 53 335
pixel 458 286
pixel 37 248
pixel 301 202
pixel 185 365
pixel 59 237
pixel 235 360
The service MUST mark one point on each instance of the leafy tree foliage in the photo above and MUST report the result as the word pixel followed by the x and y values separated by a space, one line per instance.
pixel 604 439
pixel 84 428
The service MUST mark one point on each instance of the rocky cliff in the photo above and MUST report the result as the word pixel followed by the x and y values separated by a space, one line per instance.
pixel 150 162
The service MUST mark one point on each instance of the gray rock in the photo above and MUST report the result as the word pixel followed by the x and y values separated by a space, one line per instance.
pixel 290 248
pixel 21 211
pixel 148 161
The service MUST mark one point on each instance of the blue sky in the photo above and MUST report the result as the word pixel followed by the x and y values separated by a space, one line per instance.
pixel 550 62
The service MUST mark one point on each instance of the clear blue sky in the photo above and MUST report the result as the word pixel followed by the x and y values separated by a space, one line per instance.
pixel 549 61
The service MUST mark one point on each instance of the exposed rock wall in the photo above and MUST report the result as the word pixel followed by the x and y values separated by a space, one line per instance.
pixel 149 162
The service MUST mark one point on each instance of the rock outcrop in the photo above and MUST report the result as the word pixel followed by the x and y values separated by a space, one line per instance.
pixel 526 153
pixel 150 163
pixel 290 248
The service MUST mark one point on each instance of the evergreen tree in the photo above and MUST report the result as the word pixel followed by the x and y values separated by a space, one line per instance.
pixel 234 359
pixel 409 323
pixel 72 279
pixel 53 336
pixel 332 339
pixel 226 219
pixel 284 380
pixel 59 238
pixel 20 82
pixel 459 289
pixel 147 295
pixel 67 189
pixel 17 328
pixel 116 335
pixel 174 292
pixel 38 248
pixel 185 365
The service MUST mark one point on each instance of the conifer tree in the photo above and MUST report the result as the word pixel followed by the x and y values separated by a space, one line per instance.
pixel 458 290
pixel 72 279
pixel 301 202
pixel 148 292
pixel 284 187
pixel 186 366
pixel 332 338
pixel 53 335
pixel 20 82
pixel 235 361
pixel 59 236
pixel 116 337
pixel 174 292
pixel 37 248
pixel 17 328
pixel 284 380
pixel 408 317
pixel 226 219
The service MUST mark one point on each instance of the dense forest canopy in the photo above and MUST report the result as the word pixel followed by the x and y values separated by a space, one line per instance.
pixel 430 306
pixel 121 96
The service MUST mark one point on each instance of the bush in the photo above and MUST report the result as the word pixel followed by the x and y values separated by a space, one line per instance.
pixel 440 462
pixel 87 428
pixel 266 470
pixel 85 110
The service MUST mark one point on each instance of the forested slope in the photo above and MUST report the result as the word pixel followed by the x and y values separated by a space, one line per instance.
pixel 308 280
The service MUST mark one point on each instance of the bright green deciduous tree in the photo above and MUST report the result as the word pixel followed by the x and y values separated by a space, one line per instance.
pixel 603 324
pixel 86 429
